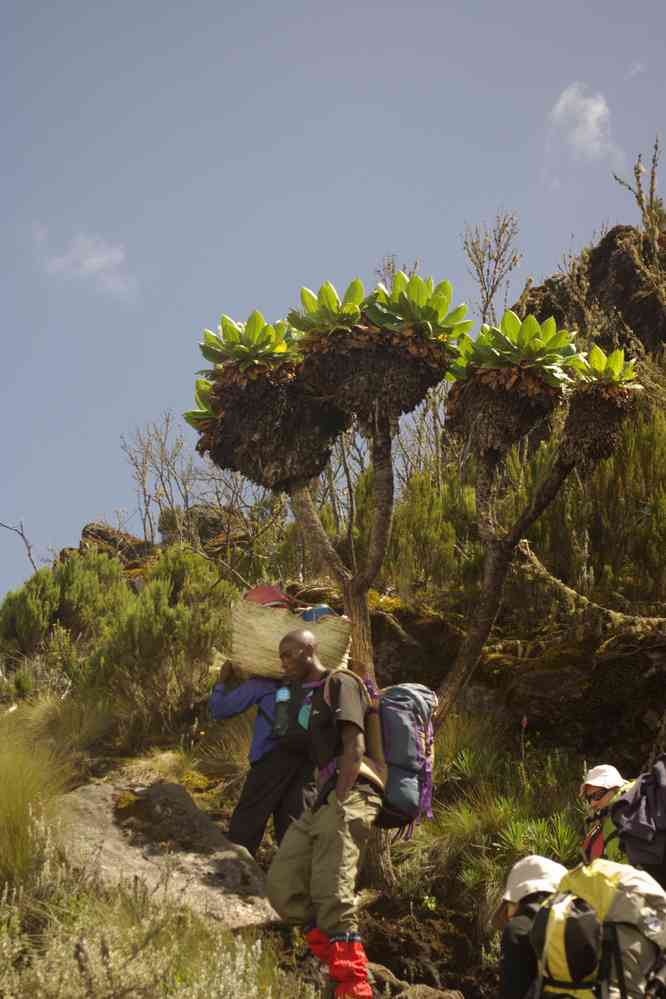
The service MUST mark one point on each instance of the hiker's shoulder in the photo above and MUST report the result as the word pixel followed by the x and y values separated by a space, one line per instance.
pixel 344 681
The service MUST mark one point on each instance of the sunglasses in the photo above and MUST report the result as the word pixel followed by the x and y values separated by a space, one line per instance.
pixel 596 795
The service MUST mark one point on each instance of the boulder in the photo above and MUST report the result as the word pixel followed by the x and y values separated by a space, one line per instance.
pixel 156 835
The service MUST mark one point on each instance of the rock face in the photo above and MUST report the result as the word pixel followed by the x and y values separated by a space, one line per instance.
pixel 612 282
pixel 158 836
pixel 128 548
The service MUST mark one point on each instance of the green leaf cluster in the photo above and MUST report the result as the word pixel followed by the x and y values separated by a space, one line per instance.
pixel 250 343
pixel 198 417
pixel 326 311
pixel 418 303
pixel 539 347
pixel 609 369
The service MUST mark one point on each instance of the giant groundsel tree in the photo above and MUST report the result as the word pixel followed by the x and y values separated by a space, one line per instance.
pixel 277 397
pixel 513 380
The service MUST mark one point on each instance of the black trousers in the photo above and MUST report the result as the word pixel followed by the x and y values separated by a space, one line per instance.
pixel 280 784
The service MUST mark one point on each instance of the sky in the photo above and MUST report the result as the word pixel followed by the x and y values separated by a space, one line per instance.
pixel 164 163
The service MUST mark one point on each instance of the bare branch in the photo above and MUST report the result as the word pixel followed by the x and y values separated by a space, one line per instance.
pixel 492 255
pixel 21 533
pixel 388 268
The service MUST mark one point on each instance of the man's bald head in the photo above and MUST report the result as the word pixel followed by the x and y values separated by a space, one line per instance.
pixel 300 639
pixel 299 655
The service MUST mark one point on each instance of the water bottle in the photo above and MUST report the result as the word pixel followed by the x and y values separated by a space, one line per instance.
pixel 281 720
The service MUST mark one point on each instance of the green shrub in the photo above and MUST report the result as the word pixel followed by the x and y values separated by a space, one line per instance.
pixel 153 658
pixel 465 755
pixel 79 594
pixel 92 590
pixel 27 613
pixel 424 539
pixel 23 683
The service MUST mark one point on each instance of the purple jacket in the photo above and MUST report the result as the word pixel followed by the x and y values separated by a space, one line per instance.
pixel 227 703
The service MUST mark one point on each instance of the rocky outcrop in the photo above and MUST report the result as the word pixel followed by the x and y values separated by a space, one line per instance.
pixel 158 837
pixel 126 547
pixel 607 283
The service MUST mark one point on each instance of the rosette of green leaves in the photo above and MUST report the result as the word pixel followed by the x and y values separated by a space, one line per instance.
pixel 539 348
pixel 198 417
pixel 418 303
pixel 326 311
pixel 607 369
pixel 250 343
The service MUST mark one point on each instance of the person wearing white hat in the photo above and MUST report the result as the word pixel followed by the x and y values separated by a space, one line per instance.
pixel 601 786
pixel 530 881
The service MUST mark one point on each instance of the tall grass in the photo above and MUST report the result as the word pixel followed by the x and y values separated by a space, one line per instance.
pixel 494 803
pixel 31 778
pixel 223 753
pixel 78 723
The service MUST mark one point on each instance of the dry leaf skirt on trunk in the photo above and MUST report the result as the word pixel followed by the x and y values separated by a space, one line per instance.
pixel 363 366
pixel 594 421
pixel 494 418
pixel 274 432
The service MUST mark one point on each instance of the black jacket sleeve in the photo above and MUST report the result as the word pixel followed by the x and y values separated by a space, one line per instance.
pixel 518 963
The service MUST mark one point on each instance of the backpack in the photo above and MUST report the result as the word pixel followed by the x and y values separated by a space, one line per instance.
pixel 575 932
pixel 638 813
pixel 408 751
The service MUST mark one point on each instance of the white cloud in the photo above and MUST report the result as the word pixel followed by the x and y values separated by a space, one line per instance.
pixel 39 233
pixel 88 258
pixel 636 69
pixel 581 121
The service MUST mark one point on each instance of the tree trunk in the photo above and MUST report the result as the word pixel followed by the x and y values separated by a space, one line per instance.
pixel 580 612
pixel 495 568
pixel 499 554
pixel 377 870
pixel 361 659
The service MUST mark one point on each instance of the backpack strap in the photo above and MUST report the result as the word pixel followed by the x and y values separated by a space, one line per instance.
pixel 611 955
pixel 264 714
pixel 346 672
pixel 619 965
pixel 373 765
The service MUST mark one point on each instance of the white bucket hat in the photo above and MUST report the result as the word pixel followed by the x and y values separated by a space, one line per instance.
pixel 533 873
pixel 604 776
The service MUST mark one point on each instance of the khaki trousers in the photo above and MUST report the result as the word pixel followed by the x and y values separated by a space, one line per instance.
pixel 313 875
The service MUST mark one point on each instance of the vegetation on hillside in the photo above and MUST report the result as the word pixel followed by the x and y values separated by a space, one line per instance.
pixel 109 650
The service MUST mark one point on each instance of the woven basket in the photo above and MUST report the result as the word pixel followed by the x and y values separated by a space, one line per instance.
pixel 257 632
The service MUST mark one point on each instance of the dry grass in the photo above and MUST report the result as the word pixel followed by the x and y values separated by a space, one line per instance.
pixel 72 725
pixel 31 778
pixel 223 753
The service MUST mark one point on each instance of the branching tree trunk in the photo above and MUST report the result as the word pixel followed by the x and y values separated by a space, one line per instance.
pixel 594 619
pixel 500 548
pixel 356 580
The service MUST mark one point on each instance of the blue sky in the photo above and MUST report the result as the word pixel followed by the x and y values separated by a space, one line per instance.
pixel 162 164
